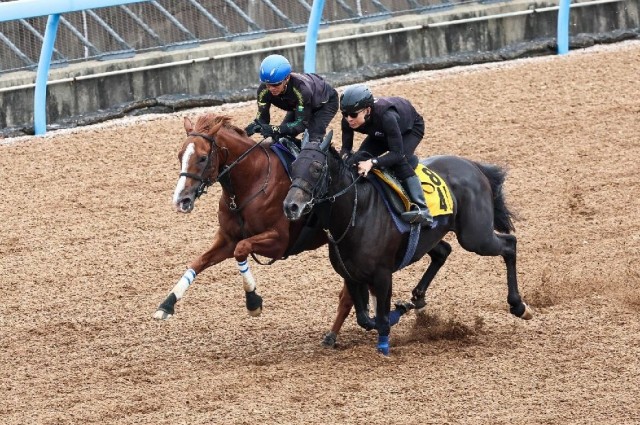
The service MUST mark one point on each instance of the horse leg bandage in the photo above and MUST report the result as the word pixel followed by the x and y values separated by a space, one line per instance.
pixel 183 284
pixel 249 283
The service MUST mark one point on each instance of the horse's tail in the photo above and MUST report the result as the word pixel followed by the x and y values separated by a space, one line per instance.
pixel 502 217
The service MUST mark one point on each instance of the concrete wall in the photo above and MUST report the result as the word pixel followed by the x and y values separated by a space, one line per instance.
pixel 235 78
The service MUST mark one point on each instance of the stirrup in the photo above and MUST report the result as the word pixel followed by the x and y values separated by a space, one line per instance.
pixel 417 216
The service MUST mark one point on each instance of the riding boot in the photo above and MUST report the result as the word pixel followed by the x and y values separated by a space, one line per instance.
pixel 419 211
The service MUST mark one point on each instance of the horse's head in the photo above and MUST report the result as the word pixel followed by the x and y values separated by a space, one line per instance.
pixel 310 178
pixel 200 159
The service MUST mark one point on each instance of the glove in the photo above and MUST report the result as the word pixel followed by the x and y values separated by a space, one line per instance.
pixel 253 128
pixel 345 154
pixel 272 131
pixel 357 157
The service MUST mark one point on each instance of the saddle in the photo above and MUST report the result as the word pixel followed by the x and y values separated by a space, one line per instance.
pixel 436 191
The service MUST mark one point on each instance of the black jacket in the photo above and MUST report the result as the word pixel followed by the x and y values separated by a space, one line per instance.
pixel 304 94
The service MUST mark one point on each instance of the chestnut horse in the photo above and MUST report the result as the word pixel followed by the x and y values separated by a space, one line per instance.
pixel 250 216
pixel 368 246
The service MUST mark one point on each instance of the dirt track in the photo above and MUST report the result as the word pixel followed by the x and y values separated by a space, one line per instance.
pixel 90 245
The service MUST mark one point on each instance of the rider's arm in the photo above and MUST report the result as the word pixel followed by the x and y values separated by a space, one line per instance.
pixel 301 111
pixel 264 105
pixel 391 126
pixel 347 136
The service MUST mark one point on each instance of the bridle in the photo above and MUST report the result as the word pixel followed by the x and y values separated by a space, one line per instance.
pixel 203 178
pixel 206 181
pixel 318 191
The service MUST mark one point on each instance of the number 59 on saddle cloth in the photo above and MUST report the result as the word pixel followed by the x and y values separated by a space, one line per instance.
pixel 436 191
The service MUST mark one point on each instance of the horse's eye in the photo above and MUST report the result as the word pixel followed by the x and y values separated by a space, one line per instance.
pixel 203 159
pixel 315 169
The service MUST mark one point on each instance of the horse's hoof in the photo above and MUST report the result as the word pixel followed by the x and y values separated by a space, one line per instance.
pixel 330 340
pixel 253 303
pixel 522 311
pixel 161 315
pixel 528 313
pixel 419 302
pixel 403 306
pixel 255 313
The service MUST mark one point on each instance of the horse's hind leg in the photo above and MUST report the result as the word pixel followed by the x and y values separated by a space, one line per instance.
pixel 438 254
pixel 517 307
pixel 345 303
pixel 494 244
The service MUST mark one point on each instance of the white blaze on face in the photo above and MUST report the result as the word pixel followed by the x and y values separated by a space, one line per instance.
pixel 188 153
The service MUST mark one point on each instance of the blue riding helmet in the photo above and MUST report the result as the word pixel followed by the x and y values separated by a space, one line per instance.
pixel 274 69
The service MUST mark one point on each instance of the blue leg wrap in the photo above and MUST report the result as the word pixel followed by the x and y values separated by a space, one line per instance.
pixel 383 345
pixel 394 317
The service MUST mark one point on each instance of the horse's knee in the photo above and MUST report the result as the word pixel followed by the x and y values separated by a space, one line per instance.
pixel 242 250
pixel 441 252
pixel 365 321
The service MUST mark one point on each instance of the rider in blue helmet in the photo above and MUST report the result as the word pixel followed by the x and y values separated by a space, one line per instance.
pixel 310 102
pixel 392 127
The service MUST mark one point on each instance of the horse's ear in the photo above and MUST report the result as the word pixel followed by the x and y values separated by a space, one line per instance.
pixel 188 125
pixel 326 142
pixel 305 138
pixel 216 127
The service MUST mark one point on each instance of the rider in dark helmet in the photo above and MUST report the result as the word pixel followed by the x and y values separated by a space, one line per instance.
pixel 392 125
pixel 310 102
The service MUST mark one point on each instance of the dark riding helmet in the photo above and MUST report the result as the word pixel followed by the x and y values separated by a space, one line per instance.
pixel 274 69
pixel 355 98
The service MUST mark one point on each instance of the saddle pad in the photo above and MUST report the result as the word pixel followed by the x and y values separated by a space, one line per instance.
pixel 436 191
pixel 285 155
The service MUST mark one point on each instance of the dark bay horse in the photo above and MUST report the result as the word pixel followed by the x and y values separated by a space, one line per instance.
pixel 366 247
pixel 250 216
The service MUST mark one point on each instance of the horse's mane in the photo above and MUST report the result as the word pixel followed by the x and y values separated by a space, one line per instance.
pixel 205 122
pixel 344 167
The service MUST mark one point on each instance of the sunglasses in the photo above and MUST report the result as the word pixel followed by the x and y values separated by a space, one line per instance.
pixel 352 114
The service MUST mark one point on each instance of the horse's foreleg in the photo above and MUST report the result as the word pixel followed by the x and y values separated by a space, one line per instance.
pixel 517 307
pixel 270 244
pixel 438 254
pixel 383 308
pixel 359 296
pixel 253 301
pixel 219 251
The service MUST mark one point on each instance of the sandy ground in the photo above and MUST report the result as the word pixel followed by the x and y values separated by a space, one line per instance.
pixel 90 246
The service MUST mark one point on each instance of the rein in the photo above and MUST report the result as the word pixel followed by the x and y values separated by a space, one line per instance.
pixel 320 185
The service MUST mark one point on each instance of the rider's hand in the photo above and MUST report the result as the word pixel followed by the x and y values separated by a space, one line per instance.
pixel 253 128
pixel 364 167
pixel 345 154
pixel 357 157
pixel 272 131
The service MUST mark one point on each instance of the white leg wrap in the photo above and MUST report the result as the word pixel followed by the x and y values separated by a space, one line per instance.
pixel 183 283
pixel 249 283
